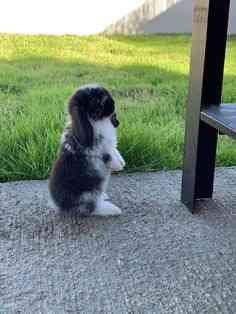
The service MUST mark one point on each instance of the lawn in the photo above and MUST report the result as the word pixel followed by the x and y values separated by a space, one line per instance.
pixel 147 75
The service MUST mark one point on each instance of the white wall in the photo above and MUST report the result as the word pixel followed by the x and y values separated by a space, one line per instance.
pixel 62 16
pixel 178 19
pixel 163 16
pixel 135 21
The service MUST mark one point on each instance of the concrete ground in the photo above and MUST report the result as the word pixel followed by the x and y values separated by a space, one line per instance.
pixel 155 258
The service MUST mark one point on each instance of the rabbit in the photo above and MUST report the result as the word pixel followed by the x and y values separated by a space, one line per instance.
pixel 88 155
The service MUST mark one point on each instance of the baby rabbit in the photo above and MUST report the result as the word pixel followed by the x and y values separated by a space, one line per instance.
pixel 88 154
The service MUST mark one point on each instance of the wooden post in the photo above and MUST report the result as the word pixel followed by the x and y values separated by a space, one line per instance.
pixel 210 24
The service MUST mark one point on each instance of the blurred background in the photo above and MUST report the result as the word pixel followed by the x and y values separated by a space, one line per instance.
pixel 139 50
pixel 91 17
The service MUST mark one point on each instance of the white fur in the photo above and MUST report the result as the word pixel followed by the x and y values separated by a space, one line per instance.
pixel 105 196
pixel 106 208
pixel 117 163
pixel 106 130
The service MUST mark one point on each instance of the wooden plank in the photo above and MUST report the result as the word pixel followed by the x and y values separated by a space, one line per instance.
pixel 222 118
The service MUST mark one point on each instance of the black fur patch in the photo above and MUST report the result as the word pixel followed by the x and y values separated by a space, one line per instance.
pixel 106 158
pixel 115 121
pixel 71 176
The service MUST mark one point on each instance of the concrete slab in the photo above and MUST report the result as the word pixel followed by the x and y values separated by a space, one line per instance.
pixel 155 258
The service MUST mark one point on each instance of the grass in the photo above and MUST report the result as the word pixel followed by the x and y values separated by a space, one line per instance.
pixel 148 76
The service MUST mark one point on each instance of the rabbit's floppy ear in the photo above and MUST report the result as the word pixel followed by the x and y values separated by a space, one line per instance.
pixel 80 121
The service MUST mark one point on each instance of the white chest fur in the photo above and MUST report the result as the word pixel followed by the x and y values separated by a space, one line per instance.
pixel 105 129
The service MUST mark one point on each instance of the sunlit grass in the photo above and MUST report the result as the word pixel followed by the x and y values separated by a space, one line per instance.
pixel 148 77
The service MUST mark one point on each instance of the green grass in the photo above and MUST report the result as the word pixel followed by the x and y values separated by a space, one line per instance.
pixel 148 76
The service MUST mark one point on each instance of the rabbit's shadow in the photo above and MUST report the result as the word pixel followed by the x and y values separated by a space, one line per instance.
pixel 44 223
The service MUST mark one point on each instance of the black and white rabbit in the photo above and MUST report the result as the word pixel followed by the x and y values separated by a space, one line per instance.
pixel 88 154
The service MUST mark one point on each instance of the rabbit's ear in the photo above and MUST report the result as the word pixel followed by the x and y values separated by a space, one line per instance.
pixel 82 126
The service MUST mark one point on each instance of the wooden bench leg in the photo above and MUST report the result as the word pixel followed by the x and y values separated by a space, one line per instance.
pixel 205 87
pixel 206 155
pixel 199 167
